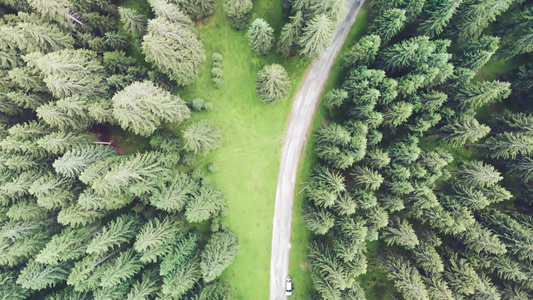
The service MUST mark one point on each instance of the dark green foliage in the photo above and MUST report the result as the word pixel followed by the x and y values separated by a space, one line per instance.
pixel 362 53
pixel 389 24
pixel 438 17
pixel 238 12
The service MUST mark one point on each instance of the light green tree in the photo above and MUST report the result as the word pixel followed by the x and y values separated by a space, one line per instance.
pixel 201 137
pixel 175 49
pixel 218 254
pixel 316 37
pixel 272 83
pixel 261 36
pixel 142 107
pixel 133 21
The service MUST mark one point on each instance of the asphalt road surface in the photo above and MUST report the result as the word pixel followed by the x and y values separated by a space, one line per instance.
pixel 303 110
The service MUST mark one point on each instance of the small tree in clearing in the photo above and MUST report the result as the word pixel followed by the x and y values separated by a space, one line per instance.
pixel 272 84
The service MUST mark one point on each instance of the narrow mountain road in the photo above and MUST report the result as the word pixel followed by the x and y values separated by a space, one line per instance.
pixel 302 113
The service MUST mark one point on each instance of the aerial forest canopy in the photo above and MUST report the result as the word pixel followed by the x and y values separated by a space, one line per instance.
pixel 78 220
pixel 425 159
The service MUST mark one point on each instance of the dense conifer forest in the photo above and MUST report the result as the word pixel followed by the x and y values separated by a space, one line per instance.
pixel 77 219
pixel 428 159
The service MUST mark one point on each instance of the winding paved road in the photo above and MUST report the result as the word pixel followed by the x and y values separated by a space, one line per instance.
pixel 303 110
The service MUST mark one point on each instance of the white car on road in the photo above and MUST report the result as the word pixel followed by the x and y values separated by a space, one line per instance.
pixel 288 286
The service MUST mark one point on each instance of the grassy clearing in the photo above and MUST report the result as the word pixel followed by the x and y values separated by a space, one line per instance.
pixel 252 131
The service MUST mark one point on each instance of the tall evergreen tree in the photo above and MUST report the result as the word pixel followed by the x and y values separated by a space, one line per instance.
pixel 218 254
pixel 238 12
pixel 316 37
pixel 174 49
pixel 142 107
pixel 261 36
pixel 389 24
pixel 272 83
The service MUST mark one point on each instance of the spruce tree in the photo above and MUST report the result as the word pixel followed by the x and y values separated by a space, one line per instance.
pixel 238 12
pixel 316 37
pixel 142 107
pixel 261 36
pixel 389 24
pixel 272 84
pixel 218 254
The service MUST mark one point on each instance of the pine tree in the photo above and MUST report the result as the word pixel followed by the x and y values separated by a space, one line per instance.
pixel 142 107
pixel 508 145
pixel 76 160
pixel 406 278
pixel 123 268
pixel 76 215
pixel 470 197
pixel 362 53
pixel 28 80
pixel 476 15
pixel 201 137
pixel 60 142
pixel 174 49
pixel 397 113
pixel 478 238
pixel 144 288
pixel 53 191
pixel 205 203
pixel 428 258
pixel 183 278
pixel 69 244
pixel 116 232
pixel 389 24
pixel 55 10
pixel 156 237
pixel 69 72
pixel 261 36
pixel 318 220
pixel 170 11
pixel 132 20
pixel 477 53
pixel 438 18
pixel 174 193
pixel 272 84
pixel 238 12
pixel 463 130
pixel 437 287
pixel 366 177
pixel 475 95
pixel 37 276
pixel 335 98
pixel 462 278
pixel 316 37
pixel 323 262
pixel 122 175
pixel 523 168
pixel 288 38
pixel 218 254
pixel 478 174
pixel 401 233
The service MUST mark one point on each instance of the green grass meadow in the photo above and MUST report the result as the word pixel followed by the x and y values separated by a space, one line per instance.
pixel 252 139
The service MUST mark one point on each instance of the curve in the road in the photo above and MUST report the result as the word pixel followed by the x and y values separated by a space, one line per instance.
pixel 302 113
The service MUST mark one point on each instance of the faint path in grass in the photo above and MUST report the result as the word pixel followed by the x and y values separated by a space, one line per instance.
pixel 301 117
